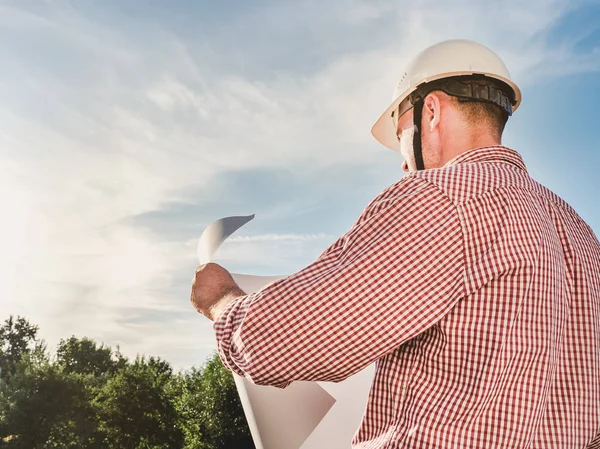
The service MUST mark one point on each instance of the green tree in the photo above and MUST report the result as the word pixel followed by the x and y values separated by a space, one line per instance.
pixel 136 407
pixel 43 407
pixel 190 406
pixel 18 337
pixel 84 356
pixel 89 397
pixel 211 414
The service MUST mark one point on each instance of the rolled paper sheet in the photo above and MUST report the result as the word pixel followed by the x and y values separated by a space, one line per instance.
pixel 305 415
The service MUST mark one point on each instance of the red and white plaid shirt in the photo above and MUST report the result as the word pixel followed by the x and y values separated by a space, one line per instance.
pixel 477 292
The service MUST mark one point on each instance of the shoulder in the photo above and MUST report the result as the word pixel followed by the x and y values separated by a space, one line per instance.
pixel 462 182
pixel 411 195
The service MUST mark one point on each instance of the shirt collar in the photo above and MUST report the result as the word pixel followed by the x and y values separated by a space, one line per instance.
pixel 498 153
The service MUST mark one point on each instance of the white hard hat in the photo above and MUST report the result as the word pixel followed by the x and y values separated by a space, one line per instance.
pixel 443 60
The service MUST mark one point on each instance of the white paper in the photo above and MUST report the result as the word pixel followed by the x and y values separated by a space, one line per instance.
pixel 305 415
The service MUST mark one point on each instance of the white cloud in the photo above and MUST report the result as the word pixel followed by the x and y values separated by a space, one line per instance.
pixel 169 94
pixel 152 117
pixel 271 254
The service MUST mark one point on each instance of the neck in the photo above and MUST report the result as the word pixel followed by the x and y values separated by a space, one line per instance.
pixel 462 143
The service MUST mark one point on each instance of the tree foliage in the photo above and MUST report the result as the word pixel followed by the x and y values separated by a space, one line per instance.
pixel 17 338
pixel 84 356
pixel 90 397
pixel 44 407
pixel 136 407
pixel 212 412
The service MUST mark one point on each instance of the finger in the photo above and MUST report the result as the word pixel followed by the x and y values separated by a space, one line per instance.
pixel 193 301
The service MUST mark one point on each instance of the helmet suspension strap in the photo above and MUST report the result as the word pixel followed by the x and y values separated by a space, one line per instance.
pixel 417 147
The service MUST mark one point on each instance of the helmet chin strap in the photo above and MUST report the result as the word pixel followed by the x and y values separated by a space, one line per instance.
pixel 417 147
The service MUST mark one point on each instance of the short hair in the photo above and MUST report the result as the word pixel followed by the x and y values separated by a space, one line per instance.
pixel 483 113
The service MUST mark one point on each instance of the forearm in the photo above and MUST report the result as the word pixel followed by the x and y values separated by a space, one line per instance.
pixel 283 333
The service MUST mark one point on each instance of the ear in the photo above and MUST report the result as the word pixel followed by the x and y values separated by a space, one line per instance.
pixel 431 111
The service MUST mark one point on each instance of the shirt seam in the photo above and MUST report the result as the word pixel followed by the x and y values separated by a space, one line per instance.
pixel 461 225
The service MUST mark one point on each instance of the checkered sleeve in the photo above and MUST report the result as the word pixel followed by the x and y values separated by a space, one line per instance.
pixel 394 274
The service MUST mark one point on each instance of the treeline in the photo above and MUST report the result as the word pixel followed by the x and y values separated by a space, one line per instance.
pixel 89 396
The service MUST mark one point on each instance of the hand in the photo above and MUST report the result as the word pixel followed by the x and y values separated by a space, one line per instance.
pixel 213 288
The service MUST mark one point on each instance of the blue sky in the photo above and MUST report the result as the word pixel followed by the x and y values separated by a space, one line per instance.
pixel 126 127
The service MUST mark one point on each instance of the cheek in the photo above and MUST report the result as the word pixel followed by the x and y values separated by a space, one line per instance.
pixel 427 145
pixel 430 149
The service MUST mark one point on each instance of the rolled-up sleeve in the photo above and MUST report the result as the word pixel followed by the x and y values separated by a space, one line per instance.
pixel 393 275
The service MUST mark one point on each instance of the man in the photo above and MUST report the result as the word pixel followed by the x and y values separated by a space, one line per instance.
pixel 475 289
